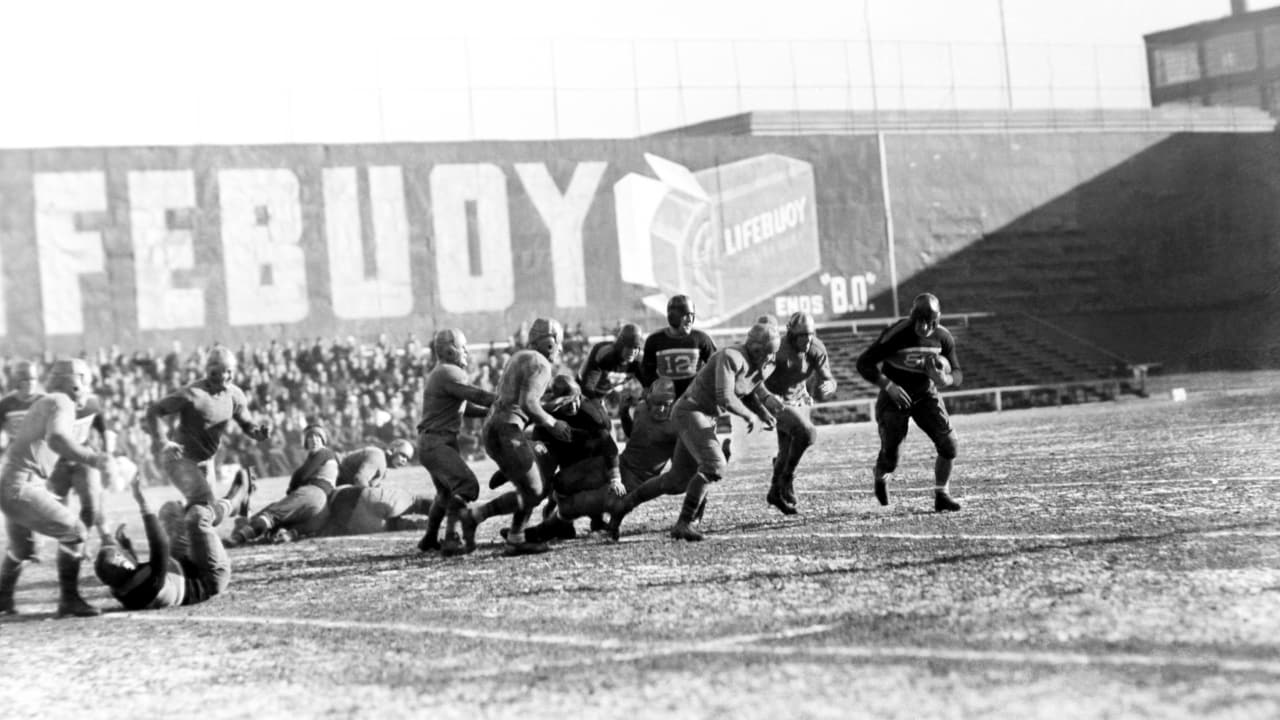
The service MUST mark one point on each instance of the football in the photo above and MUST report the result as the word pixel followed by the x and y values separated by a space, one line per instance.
pixel 941 364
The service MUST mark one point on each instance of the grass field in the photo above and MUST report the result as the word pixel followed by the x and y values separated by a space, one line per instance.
pixel 1112 560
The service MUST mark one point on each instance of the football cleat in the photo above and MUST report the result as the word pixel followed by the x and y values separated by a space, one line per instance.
pixel 775 499
pixel 468 529
pixel 684 531
pixel 942 502
pixel 429 543
pixel 882 489
pixel 524 548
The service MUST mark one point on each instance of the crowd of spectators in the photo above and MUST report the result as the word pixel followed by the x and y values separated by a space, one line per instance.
pixel 365 392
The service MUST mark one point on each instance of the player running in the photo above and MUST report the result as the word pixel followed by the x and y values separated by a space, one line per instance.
pixel 730 375
pixel 448 397
pixel 802 356
pixel 518 404
pixel 46 434
pixel 910 361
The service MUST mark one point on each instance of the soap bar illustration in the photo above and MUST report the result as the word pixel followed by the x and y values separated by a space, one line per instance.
pixel 728 236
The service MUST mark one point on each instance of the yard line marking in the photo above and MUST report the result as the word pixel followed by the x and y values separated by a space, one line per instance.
pixel 1025 487
pixel 962 535
pixel 1039 657
pixel 471 634
pixel 403 628
pixel 744 644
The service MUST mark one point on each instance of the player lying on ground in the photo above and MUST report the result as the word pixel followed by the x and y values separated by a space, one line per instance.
pixel 191 569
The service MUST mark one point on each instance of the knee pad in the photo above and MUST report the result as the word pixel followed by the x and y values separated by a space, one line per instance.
pixel 946 446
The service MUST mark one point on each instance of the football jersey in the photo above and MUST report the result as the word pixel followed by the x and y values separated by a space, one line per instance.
pixel 670 362
pixel 792 370
pixel 13 408
pixel 604 372
pixel 901 354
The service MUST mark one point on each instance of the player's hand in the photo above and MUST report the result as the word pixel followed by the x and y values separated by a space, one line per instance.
pixel 136 488
pixel 561 431
pixel 826 390
pixel 938 369
pixel 768 421
pixel 615 484
pixel 751 424
pixel 170 450
pixel 563 405
pixel 898 395
pixel 261 431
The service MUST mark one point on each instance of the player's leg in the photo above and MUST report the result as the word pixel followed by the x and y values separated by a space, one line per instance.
pixel 32 506
pixel 795 424
pixel 207 555
pixel 194 480
pixel 891 421
pixel 699 438
pixel 86 482
pixel 520 465
pixel 22 543
pixel 672 482
pixel 439 456
pixel 931 415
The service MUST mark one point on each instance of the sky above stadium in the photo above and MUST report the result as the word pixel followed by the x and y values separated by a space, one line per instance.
pixel 84 72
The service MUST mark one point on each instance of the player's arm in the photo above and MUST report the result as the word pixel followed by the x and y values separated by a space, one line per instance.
pixel 157 539
pixel 470 394
pixel 869 364
pixel 825 387
pixel 592 372
pixel 165 406
pixel 59 433
pixel 648 363
pixel 530 400
pixel 726 374
pixel 949 352
pixel 240 413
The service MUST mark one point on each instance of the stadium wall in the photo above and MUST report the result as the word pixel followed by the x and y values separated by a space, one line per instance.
pixel 1116 235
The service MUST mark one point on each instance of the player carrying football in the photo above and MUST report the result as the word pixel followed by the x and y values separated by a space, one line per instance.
pixel 910 361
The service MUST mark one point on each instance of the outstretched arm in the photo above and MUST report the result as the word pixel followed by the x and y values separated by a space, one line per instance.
pixel 61 437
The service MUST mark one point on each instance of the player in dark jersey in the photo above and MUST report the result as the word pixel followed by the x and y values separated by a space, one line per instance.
pixel 204 409
pixel 29 508
pixel 14 404
pixel 180 570
pixel 518 404
pixel 672 357
pixel 730 375
pixel 367 466
pixel 801 357
pixel 306 498
pixel 910 361
pixel 447 398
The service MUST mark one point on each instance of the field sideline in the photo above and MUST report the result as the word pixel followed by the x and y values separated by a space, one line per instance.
pixel 1112 560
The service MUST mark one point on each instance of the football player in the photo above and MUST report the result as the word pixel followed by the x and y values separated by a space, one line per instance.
pixel 730 375
pixel 46 434
pixel 910 361
pixel 191 570
pixel 671 358
pixel 518 404
pixel 204 409
pixel 447 398
pixel 306 499
pixel 801 357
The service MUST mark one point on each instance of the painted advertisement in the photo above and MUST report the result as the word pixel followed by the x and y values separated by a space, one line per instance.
pixel 139 246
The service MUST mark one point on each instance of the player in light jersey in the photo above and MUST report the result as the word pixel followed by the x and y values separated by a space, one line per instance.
pixel 910 361
pixel 180 570
pixel 69 476
pixel 447 398
pixel 45 435
pixel 367 466
pixel 204 409
pixel 801 357
pixel 14 404
pixel 730 374
pixel 672 357
pixel 518 404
